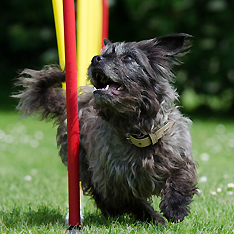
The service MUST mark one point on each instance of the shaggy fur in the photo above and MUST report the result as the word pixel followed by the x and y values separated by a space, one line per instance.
pixel 133 95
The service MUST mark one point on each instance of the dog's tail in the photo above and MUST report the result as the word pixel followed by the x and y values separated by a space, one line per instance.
pixel 42 94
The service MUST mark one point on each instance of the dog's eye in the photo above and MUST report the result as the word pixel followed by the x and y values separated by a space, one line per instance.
pixel 128 58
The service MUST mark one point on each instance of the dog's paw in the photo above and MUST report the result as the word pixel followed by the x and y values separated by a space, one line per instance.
pixel 175 216
pixel 175 208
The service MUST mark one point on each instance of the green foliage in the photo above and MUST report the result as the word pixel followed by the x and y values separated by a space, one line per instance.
pixel 34 183
pixel 207 76
pixel 27 40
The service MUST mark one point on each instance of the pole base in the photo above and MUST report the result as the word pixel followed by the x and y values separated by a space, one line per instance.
pixel 73 230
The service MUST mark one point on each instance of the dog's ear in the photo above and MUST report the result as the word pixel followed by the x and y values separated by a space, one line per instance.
pixel 174 44
pixel 162 53
pixel 106 42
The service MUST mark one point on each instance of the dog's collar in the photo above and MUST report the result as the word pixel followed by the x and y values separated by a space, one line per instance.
pixel 152 138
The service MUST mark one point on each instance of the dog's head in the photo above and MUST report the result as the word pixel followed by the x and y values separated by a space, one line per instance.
pixel 132 79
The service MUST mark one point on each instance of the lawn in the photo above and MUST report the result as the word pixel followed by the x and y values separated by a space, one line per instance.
pixel 34 183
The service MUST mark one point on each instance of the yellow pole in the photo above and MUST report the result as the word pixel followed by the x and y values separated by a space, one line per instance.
pixel 59 26
pixel 89 33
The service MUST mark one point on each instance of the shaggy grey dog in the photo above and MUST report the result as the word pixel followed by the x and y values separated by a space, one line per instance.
pixel 134 142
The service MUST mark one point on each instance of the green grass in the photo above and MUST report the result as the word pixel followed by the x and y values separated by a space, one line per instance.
pixel 33 188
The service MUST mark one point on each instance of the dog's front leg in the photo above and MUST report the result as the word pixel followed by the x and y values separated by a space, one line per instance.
pixel 177 195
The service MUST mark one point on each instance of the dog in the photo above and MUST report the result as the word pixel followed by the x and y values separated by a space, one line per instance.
pixel 134 142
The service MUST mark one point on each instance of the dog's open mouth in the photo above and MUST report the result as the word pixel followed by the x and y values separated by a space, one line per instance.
pixel 102 82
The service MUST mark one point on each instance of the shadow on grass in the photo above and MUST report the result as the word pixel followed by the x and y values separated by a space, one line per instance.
pixel 98 220
pixel 41 217
pixel 47 216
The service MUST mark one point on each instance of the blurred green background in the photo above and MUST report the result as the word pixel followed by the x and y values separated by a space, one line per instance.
pixel 205 81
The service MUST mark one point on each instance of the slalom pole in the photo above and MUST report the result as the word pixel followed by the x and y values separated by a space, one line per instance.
pixel 72 115
pixel 105 20
pixel 89 35
pixel 59 28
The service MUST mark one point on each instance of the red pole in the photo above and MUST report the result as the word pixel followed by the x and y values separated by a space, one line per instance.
pixel 105 20
pixel 72 113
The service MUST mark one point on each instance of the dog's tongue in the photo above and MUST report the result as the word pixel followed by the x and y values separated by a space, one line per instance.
pixel 114 86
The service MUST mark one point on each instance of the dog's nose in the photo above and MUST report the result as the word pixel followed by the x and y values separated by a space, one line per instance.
pixel 97 59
